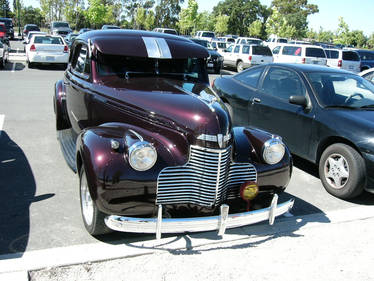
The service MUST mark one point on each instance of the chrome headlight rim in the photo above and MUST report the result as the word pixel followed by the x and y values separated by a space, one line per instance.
pixel 138 146
pixel 270 144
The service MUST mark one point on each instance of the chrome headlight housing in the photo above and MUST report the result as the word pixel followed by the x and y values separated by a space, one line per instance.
pixel 273 151
pixel 142 156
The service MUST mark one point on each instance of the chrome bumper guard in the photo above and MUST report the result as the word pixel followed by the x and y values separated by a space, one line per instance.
pixel 180 225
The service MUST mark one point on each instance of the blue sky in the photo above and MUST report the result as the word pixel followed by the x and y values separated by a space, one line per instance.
pixel 356 13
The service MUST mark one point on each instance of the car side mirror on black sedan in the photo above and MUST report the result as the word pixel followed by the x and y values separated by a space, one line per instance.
pixel 299 100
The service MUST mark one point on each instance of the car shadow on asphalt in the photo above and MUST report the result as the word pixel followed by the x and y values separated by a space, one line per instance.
pixel 262 231
pixel 13 66
pixel 17 187
pixel 49 67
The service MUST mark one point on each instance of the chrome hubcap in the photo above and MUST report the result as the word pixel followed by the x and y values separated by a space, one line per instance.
pixel 86 201
pixel 336 171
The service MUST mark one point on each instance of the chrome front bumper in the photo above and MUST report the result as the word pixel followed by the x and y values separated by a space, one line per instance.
pixel 180 225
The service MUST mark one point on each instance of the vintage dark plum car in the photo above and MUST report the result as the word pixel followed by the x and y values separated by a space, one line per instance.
pixel 152 143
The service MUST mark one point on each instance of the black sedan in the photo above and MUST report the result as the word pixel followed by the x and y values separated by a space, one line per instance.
pixel 324 115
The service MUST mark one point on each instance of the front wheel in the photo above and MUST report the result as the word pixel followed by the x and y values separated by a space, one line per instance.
pixel 342 171
pixel 93 218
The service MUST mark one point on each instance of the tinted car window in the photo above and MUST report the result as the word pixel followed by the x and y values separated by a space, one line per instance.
pixel 282 40
pixel 336 89
pixel 253 41
pixel 291 51
pixel 261 50
pixel 48 40
pixel 332 54
pixel 208 34
pixel 366 55
pixel 245 50
pixel 229 49
pixel 250 77
pixel 349 55
pixel 80 61
pixel 282 83
pixel 314 52
pixel 170 31
pixel 236 50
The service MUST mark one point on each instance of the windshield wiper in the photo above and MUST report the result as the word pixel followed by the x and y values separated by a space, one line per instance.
pixel 128 73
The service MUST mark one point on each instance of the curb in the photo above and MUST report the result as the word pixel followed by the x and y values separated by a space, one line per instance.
pixel 16 266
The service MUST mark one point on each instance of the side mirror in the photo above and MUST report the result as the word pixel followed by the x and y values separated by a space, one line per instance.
pixel 299 100
pixel 24 42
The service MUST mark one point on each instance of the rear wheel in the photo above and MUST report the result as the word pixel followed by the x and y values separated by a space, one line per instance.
pixel 93 218
pixel 342 171
pixel 239 66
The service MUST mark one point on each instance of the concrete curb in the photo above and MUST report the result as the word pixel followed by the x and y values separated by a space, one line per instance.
pixel 18 265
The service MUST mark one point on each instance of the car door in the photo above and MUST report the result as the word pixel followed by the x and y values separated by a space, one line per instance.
pixel 227 55
pixel 271 110
pixel 77 85
pixel 235 55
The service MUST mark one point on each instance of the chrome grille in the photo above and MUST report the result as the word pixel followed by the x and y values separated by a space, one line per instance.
pixel 208 178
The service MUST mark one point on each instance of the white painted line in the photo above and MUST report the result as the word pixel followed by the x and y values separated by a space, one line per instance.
pixel 70 255
pixel 2 118
pixel 14 67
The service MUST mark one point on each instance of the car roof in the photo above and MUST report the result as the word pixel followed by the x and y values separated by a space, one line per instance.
pixel 301 45
pixel 132 43
pixel 310 68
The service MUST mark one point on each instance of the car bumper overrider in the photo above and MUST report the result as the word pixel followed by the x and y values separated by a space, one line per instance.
pixel 181 225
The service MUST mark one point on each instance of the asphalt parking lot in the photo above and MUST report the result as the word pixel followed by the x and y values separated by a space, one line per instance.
pixel 39 203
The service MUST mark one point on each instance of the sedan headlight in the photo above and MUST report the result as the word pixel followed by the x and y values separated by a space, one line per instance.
pixel 142 156
pixel 273 151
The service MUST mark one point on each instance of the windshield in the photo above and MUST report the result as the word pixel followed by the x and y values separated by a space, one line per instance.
pixel 207 34
pixel 342 90
pixel 60 24
pixel 203 43
pixel 189 69
pixel 48 40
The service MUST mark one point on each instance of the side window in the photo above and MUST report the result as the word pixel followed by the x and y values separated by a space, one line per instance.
pixel 250 77
pixel 276 50
pixel 243 41
pixel 245 50
pixel 229 49
pixel 283 83
pixel 80 62
pixel 291 51
pixel 236 50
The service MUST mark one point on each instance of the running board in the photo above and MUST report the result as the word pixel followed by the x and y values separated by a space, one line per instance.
pixel 67 145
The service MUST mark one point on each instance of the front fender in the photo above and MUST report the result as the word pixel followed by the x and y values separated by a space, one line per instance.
pixel 248 146
pixel 59 105
pixel 114 185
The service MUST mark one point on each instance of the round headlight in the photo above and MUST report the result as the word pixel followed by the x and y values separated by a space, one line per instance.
pixel 142 156
pixel 273 151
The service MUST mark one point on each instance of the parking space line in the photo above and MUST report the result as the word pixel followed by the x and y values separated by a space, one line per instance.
pixel 14 67
pixel 2 118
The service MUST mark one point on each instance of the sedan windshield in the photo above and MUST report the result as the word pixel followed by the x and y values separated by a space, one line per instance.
pixel 191 69
pixel 342 90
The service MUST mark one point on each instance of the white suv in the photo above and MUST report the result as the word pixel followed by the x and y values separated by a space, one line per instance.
pixel 244 56
pixel 249 41
pixel 343 59
pixel 205 35
pixel 308 54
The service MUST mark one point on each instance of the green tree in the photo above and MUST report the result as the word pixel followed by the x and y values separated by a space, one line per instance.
pixel 5 9
pixel 325 36
pixel 140 18
pixel 241 14
pixel 344 36
pixel 98 13
pixel 255 29
pixel 370 42
pixel 149 20
pixel 188 18
pixel 290 17
pixel 52 9
pixel 205 21
pixel 32 15
pixel 221 25
pixel 167 13
pixel 131 6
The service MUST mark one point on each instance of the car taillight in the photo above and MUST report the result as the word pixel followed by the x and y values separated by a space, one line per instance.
pixel 66 49
pixel 303 60
pixel 339 63
pixel 250 58
pixel 32 48
pixel 212 84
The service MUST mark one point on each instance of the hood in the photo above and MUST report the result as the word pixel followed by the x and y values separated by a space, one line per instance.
pixel 191 108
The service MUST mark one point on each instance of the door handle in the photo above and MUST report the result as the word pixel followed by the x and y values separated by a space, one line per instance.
pixel 255 100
